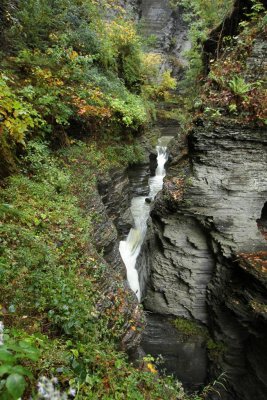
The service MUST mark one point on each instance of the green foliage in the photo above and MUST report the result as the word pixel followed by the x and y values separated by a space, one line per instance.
pixel 67 65
pixel 231 88
pixel 53 282
pixel 42 265
pixel 43 166
pixel 257 8
pixel 124 154
pixel 238 86
pixel 212 113
pixel 157 85
pixel 203 16
pixel 216 349
pixel 35 22
pixel 189 328
pixel 17 117
pixel 13 354
pixel 132 110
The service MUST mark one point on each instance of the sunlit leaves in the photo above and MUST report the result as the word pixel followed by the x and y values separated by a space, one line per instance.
pixel 17 117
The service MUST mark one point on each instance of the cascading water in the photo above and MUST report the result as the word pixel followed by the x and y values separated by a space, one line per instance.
pixel 130 248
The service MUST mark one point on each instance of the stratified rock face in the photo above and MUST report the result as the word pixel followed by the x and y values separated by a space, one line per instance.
pixel 138 176
pixel 237 304
pixel 116 195
pixel 228 186
pixel 166 25
pixel 104 234
pixel 207 256
pixel 156 15
pixel 181 266
pixel 220 202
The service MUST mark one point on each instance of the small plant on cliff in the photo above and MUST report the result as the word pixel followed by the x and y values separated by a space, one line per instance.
pixel 238 86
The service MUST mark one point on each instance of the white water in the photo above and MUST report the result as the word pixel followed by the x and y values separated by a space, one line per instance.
pixel 130 248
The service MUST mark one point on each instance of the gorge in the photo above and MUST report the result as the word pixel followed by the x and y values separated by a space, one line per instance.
pixel 204 256
pixel 133 200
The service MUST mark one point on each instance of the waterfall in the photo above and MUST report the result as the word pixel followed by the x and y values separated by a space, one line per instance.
pixel 130 248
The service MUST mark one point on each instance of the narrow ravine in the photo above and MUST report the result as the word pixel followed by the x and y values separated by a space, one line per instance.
pixel 140 208
pixel 184 357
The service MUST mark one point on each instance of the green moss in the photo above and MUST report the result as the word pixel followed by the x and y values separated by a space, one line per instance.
pixel 190 328
pixel 215 349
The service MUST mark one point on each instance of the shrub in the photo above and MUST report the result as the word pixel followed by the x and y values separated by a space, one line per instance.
pixel 17 117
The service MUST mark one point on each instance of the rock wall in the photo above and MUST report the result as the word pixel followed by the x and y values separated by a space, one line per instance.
pixel 105 236
pixel 184 357
pixel 116 194
pixel 165 24
pixel 206 251
pixel 220 202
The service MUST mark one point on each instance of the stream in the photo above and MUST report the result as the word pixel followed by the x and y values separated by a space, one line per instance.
pixel 140 209
pixel 184 357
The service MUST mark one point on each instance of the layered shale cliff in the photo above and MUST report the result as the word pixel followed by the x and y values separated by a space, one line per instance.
pixel 206 249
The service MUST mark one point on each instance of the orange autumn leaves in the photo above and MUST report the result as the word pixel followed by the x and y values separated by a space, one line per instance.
pixel 97 108
pixel 87 110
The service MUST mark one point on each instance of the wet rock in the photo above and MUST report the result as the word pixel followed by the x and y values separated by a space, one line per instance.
pixel 155 15
pixel 116 195
pixel 180 266
pixel 184 357
pixel 138 177
pixel 237 303
pixel 104 235
pixel 222 200
pixel 200 223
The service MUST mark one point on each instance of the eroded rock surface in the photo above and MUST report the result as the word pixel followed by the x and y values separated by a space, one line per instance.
pixel 185 357
pixel 116 195
pixel 207 254
pixel 166 25
pixel 216 205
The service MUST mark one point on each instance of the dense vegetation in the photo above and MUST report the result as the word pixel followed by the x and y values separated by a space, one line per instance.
pixel 76 90
pixel 66 68
pixel 63 323
pixel 221 87
pixel 232 88
pixel 203 17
